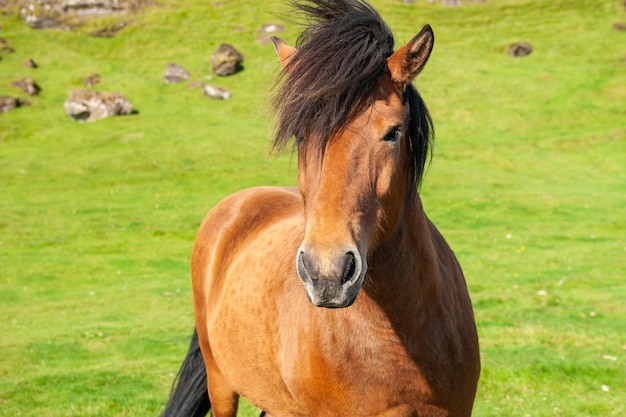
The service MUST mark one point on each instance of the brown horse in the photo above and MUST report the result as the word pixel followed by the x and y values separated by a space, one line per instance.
pixel 340 297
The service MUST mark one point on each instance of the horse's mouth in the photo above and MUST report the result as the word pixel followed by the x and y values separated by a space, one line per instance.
pixel 339 301
pixel 333 304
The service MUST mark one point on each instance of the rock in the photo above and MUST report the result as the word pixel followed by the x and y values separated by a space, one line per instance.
pixel 519 49
pixel 43 18
pixel 30 63
pixel 196 84
pixel 5 46
pixel 46 23
pixel 226 60
pixel 108 31
pixel 91 80
pixel 87 105
pixel 265 32
pixel 90 7
pixel 64 14
pixel 27 85
pixel 10 103
pixel 214 91
pixel 174 73
pixel 619 26
pixel 449 3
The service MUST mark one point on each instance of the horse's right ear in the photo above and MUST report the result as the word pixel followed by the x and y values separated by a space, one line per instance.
pixel 408 61
pixel 285 52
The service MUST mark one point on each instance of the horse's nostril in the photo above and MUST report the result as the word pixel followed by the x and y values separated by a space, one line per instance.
pixel 305 267
pixel 349 268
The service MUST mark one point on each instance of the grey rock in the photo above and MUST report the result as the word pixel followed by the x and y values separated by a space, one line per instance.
pixel 10 103
pixel 216 92
pixel 265 32
pixel 30 63
pixel 90 7
pixel 5 46
pixel 92 80
pixel 87 105
pixel 109 31
pixel 226 60
pixel 27 85
pixel 174 73
pixel 519 49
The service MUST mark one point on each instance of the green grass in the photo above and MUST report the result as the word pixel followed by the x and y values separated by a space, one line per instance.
pixel 528 184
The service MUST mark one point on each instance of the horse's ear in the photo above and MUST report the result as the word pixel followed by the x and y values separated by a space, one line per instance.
pixel 285 52
pixel 408 61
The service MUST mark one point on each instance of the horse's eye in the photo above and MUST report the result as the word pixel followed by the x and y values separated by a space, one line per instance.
pixel 394 134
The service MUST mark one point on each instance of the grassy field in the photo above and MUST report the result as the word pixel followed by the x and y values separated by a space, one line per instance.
pixel 528 183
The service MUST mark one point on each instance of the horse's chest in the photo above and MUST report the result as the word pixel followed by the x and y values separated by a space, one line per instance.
pixel 339 368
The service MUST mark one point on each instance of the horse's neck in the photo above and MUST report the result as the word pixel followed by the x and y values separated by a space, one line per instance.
pixel 406 267
pixel 416 280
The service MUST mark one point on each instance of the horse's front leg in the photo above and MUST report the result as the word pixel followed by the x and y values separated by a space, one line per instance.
pixel 402 410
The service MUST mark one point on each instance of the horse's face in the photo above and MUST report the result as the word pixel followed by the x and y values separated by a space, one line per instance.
pixel 352 193
pixel 354 188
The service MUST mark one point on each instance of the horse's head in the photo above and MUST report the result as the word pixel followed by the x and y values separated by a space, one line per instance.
pixel 356 138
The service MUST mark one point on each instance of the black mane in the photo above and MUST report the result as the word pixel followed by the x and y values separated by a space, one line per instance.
pixel 342 53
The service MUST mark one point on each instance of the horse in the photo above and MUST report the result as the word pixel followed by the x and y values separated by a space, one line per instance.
pixel 338 297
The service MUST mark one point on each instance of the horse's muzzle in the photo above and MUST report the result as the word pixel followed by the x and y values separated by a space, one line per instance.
pixel 331 280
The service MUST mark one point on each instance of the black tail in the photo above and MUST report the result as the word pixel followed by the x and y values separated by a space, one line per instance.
pixel 189 396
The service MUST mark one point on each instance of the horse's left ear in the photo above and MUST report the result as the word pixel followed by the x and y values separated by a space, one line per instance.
pixel 285 52
pixel 408 61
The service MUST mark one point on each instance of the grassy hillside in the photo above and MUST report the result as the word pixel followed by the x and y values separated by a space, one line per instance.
pixel 97 220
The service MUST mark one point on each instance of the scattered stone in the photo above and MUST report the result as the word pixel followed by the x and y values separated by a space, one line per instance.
pixel 91 7
pixel 27 85
pixel 64 14
pixel 109 31
pixel 88 105
pixel 10 103
pixel 226 60
pixel 45 23
pixel 519 49
pixel 43 17
pixel 30 63
pixel 91 80
pixel 216 92
pixel 619 26
pixel 196 84
pixel 174 73
pixel 5 46
pixel 265 32
pixel 450 3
